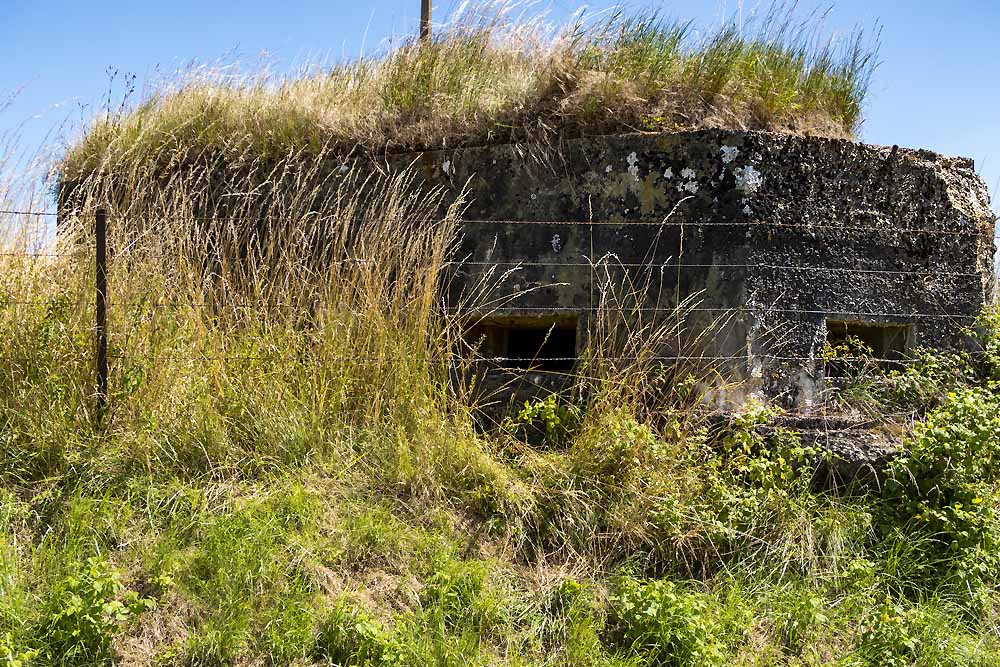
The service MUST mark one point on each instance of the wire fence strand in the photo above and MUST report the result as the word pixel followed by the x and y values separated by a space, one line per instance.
pixel 606 263
pixel 486 312
pixel 753 223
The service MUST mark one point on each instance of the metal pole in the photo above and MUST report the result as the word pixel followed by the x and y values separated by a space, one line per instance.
pixel 425 20
pixel 101 232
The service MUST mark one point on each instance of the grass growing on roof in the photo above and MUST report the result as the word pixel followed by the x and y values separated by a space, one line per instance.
pixel 495 75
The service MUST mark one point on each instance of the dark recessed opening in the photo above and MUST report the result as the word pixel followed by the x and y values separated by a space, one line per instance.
pixel 851 344
pixel 546 344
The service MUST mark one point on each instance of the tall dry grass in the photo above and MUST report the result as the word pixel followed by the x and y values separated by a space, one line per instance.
pixel 302 323
pixel 496 75
pixel 254 337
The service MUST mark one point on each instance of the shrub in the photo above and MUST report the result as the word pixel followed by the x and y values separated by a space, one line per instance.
pixel 553 420
pixel 890 635
pixel 670 625
pixel 942 488
pixel 615 448
pixel 761 470
pixel 758 459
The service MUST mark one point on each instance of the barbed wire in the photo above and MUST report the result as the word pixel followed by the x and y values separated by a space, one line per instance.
pixel 583 223
pixel 700 309
pixel 38 255
pixel 28 212
pixel 485 312
pixel 736 223
pixel 473 361
pixel 606 263
pixel 674 265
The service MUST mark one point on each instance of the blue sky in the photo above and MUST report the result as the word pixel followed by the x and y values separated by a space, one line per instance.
pixel 938 86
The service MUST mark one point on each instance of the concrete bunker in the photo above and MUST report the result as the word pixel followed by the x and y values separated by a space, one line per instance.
pixel 763 249
pixel 776 245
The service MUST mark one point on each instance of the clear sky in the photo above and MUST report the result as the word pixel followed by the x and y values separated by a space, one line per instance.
pixel 938 86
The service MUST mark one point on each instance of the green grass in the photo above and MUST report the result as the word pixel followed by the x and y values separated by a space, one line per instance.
pixel 497 75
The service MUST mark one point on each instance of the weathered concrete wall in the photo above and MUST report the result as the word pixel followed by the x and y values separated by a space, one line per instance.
pixel 775 234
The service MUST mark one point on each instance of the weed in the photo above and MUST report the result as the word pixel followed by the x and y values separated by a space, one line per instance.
pixel 84 613
pixel 940 490
pixel 349 636
pixel 673 626
pixel 13 657
pixel 555 419
pixel 468 595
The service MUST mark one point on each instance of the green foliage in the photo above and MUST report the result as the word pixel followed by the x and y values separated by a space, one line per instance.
pixel 801 612
pixel 987 333
pixel 671 625
pixel 84 613
pixel 890 635
pixel 641 47
pixel 10 656
pixel 348 636
pixel 469 595
pixel 943 489
pixel 243 553
pixel 930 377
pixel 555 419
pixel 769 463
pixel 373 536
pixel 762 471
pixel 616 449
pixel 850 348
pixel 577 623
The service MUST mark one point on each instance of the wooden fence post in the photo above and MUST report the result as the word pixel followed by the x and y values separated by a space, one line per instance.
pixel 425 20
pixel 101 330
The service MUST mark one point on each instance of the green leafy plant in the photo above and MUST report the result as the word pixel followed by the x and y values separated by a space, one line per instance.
pixel 925 382
pixel 891 635
pixel 616 448
pixel 942 489
pixel 764 457
pixel 801 613
pixel 349 636
pixel 11 656
pixel 555 419
pixel 84 613
pixel 670 625
pixel 850 348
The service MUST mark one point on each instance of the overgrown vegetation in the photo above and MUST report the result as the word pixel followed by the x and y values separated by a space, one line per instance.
pixel 496 75
pixel 291 472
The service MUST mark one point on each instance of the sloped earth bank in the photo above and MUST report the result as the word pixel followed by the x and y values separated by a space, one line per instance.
pixel 266 492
